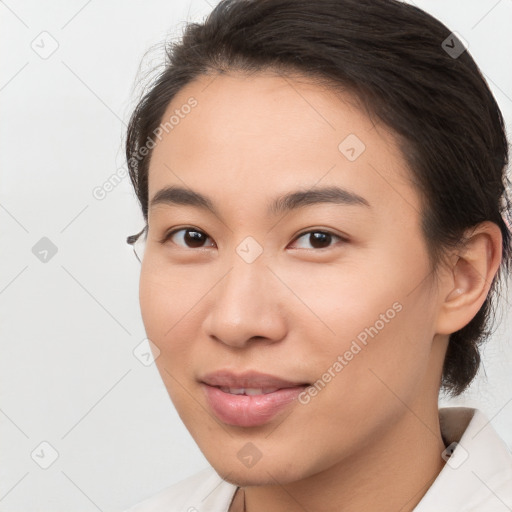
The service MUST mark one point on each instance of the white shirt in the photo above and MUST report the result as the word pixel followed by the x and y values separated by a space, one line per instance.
pixel 477 477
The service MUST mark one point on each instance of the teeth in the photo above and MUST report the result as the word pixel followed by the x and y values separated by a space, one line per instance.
pixel 248 391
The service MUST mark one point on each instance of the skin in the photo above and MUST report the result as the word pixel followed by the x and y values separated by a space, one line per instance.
pixel 371 437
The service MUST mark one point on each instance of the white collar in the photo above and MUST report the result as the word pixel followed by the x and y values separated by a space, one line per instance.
pixel 478 475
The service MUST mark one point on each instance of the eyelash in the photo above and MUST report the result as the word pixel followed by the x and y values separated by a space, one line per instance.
pixel 169 235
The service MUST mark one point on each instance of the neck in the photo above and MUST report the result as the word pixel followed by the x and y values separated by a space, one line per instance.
pixel 392 472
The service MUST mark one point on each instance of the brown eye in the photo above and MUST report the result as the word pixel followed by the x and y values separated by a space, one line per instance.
pixel 317 239
pixel 191 238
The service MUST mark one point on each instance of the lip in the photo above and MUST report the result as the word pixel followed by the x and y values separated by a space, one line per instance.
pixel 245 410
pixel 249 411
pixel 247 379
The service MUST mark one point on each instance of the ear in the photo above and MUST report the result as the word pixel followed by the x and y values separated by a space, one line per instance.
pixel 466 282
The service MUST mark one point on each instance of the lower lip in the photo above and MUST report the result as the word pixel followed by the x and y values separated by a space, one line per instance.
pixel 249 411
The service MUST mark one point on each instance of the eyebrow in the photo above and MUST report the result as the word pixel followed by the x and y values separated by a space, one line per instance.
pixel 175 195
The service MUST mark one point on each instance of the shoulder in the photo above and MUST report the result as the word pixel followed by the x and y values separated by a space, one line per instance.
pixel 205 491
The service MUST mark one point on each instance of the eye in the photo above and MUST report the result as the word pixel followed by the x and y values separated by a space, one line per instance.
pixel 317 239
pixel 189 237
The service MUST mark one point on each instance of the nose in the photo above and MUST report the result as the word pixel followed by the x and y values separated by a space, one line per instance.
pixel 246 306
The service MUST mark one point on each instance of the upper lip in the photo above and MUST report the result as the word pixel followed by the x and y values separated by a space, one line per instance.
pixel 247 379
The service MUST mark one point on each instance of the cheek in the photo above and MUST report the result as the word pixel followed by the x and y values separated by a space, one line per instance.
pixel 367 372
pixel 164 304
pixel 368 331
pixel 168 299
pixel 167 308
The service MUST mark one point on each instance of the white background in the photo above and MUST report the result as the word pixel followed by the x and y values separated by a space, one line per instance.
pixel 69 326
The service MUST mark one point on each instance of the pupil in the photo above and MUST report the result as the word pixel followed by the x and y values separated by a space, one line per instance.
pixel 194 238
pixel 319 240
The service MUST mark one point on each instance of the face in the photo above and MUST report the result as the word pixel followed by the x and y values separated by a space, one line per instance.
pixel 329 290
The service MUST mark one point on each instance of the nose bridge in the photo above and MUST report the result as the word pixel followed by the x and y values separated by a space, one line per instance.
pixel 247 280
pixel 245 304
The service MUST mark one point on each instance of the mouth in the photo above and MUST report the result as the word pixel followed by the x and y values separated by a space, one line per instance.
pixel 248 399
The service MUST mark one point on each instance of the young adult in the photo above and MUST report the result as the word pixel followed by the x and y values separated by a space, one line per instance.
pixel 324 191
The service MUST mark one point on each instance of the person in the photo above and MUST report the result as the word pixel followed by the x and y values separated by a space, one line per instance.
pixel 326 235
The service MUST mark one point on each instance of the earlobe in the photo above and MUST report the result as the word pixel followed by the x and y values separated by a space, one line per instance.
pixel 469 279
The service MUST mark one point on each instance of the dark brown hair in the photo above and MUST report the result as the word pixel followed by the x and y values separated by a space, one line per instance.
pixel 397 60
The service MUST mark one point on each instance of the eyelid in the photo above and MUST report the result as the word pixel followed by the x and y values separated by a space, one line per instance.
pixel 342 238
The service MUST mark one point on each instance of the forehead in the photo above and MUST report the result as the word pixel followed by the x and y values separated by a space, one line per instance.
pixel 249 137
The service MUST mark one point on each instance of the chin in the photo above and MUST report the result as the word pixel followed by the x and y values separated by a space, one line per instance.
pixel 249 479
pixel 260 474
